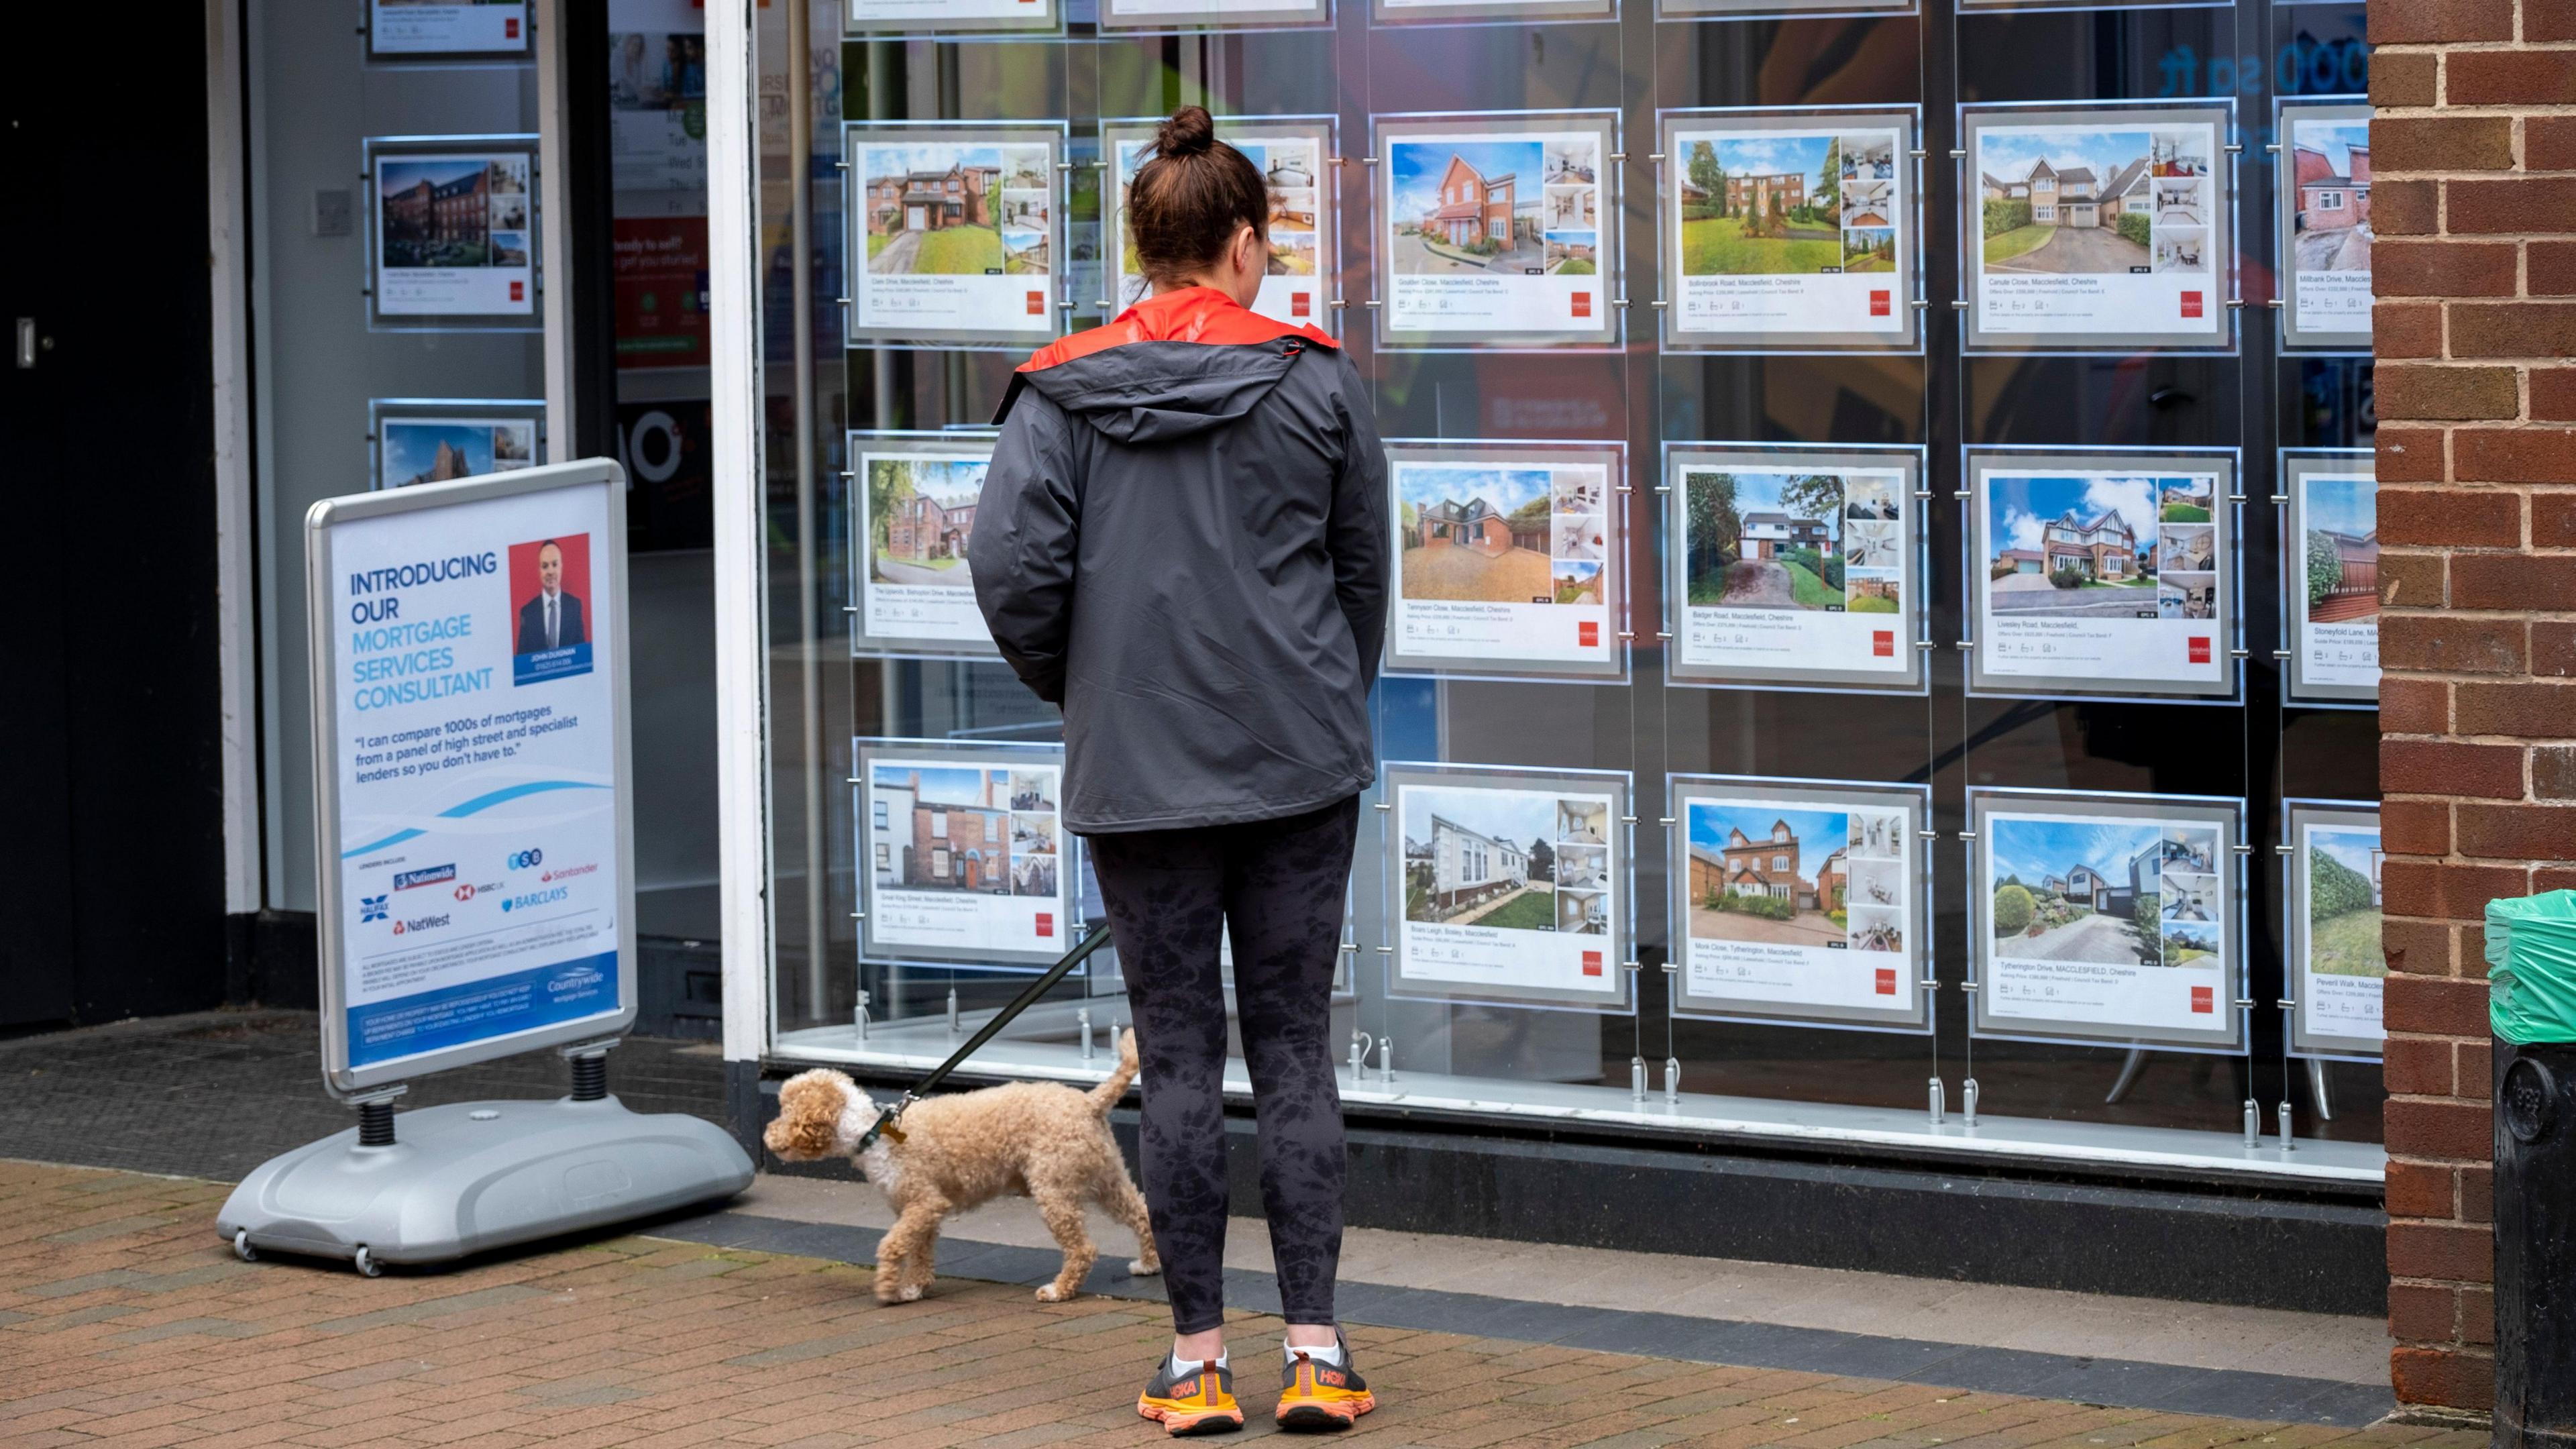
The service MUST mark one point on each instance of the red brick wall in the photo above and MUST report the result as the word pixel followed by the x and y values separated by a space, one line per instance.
pixel 2474 152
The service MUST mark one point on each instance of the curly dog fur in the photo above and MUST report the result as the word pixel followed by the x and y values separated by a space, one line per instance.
pixel 1040 1139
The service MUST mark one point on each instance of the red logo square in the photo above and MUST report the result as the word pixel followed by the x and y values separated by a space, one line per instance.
pixel 1887 981
pixel 1591 963
pixel 2200 649
pixel 518 291
pixel 510 29
pixel 1583 304
pixel 1301 304
pixel 1046 923
pixel 1037 304
pixel 1881 303
pixel 1588 633
pixel 2191 304
pixel 1882 643
pixel 2204 1000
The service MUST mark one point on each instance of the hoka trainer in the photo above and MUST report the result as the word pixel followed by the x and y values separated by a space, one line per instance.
pixel 1198 1402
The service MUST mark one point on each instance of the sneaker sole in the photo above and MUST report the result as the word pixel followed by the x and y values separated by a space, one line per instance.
pixel 1324 1417
pixel 1178 1423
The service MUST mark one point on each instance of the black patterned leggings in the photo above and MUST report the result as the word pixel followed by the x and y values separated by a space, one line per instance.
pixel 1278 886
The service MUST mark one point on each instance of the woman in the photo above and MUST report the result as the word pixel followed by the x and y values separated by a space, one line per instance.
pixel 1182 542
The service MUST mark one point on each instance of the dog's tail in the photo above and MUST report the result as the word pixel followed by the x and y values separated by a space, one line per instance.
pixel 1106 1095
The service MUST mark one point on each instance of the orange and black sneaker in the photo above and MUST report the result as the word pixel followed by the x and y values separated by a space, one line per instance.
pixel 1198 1402
pixel 1322 1395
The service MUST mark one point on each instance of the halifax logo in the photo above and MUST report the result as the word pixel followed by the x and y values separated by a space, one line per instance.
pixel 371 908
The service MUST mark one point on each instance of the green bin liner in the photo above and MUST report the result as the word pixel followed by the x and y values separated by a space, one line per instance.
pixel 2531 961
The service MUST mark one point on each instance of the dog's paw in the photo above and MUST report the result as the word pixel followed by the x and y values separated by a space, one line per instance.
pixel 889 1293
pixel 1139 1268
pixel 911 1293
pixel 1048 1294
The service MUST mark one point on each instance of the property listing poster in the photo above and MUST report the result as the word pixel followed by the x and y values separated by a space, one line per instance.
pixel 1511 885
pixel 2334 929
pixel 957 227
pixel 915 515
pixel 1794 566
pixel 915 17
pixel 2109 918
pixel 1296 286
pixel 963 854
pixel 453 442
pixel 2103 573
pixel 1497 11
pixel 1496 229
pixel 1685 9
pixel 1507 559
pixel 444 29
pixel 657 129
pixel 454 234
pixel 2333 574
pixel 1210 14
pixel 2324 186
pixel 1802 902
pixel 2104 227
pixel 1789 229
pixel 476 733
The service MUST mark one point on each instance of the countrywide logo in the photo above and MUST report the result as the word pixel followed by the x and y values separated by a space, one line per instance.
pixel 1591 963
pixel 1882 643
pixel 1882 303
pixel 1037 304
pixel 406 879
pixel 1887 981
pixel 1583 304
pixel 2200 649
pixel 1301 304
pixel 574 978
pixel 518 291
pixel 1046 923
pixel 1588 633
pixel 2191 304
pixel 2204 1000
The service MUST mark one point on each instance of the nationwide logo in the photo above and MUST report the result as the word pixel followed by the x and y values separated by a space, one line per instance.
pixel 423 923
pixel 567 872
pixel 535 898
pixel 433 875
pixel 371 908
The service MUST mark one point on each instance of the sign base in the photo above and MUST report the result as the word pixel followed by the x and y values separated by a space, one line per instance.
pixel 474 1176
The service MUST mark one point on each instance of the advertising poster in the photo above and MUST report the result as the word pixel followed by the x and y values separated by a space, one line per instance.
pixel 1507 559
pixel 2107 918
pixel 1691 9
pixel 1511 885
pixel 400 30
pixel 1800 901
pixel 1394 12
pixel 1210 14
pixel 2333 573
pixel 2101 573
pixel 437 442
pixel 921 17
pixel 657 130
pixel 2334 929
pixel 2323 180
pixel 958 229
pixel 1497 229
pixel 1797 566
pixel 2098 228
pixel 963 854
pixel 915 495
pixel 477 742
pixel 454 233
pixel 1291 159
pixel 1789 229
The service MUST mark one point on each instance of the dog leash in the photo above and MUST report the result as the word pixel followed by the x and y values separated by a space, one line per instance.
pixel 890 1122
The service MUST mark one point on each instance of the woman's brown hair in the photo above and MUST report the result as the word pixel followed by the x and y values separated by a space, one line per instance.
pixel 1186 201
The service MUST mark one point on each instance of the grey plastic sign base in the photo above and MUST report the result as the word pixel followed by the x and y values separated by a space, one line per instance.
pixel 473 1176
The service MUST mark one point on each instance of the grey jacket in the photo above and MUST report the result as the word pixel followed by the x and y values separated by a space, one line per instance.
pixel 1183 542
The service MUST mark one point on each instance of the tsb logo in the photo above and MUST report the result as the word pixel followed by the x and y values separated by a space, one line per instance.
pixel 526 858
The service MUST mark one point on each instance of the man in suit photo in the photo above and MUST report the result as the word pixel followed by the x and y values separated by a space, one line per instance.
pixel 553 619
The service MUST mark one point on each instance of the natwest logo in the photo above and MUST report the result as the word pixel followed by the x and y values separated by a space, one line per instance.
pixel 434 875
pixel 420 923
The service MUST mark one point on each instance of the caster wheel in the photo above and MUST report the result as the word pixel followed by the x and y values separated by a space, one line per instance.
pixel 242 1248
pixel 367 1263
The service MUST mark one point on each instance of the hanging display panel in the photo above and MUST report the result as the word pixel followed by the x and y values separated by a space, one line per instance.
pixel 1508 558
pixel 431 440
pixel 1789 229
pixel 1497 229
pixel 1801 901
pixel 961 848
pixel 2104 227
pixel 2332 573
pixel 1973 5
pixel 452 233
pixel 2322 177
pixel 865 19
pixel 912 514
pixel 2104 573
pixel 957 228
pixel 2336 968
pixel 2107 918
pixel 1792 565
pixel 429 30
pixel 1510 884
pixel 1211 14
pixel 1293 156
pixel 1396 12
pixel 1738 9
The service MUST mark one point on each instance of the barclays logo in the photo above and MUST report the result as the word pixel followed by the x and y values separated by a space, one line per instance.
pixel 536 898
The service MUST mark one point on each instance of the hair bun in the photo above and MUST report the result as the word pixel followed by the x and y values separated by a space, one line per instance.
pixel 1190 132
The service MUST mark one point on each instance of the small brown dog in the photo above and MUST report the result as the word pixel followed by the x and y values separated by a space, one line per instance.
pixel 1039 1138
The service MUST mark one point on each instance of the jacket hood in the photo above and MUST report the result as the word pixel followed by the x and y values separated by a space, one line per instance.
pixel 1168 367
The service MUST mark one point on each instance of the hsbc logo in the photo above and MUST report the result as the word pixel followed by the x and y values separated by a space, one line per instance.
pixel 465 893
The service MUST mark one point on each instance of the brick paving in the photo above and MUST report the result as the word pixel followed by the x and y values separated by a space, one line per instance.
pixel 124 1322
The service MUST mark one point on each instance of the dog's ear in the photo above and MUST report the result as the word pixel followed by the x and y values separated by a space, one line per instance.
pixel 809 1116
